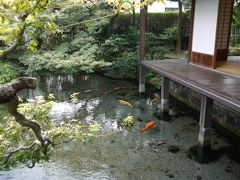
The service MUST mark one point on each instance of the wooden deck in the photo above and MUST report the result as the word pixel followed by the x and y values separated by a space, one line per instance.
pixel 211 84
pixel 215 85
pixel 232 67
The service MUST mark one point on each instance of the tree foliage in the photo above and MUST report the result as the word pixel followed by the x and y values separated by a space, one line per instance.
pixel 235 38
pixel 79 55
pixel 23 22
pixel 94 45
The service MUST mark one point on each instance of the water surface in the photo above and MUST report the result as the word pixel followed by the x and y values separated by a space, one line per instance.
pixel 120 152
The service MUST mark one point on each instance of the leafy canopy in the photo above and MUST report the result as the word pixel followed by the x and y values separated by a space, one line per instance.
pixel 23 22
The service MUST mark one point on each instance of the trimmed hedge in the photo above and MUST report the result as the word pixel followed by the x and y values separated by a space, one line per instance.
pixel 156 22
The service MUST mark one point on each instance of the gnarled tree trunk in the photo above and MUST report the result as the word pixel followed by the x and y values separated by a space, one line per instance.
pixel 8 94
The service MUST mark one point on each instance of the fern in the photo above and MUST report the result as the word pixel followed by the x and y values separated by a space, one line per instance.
pixel 8 72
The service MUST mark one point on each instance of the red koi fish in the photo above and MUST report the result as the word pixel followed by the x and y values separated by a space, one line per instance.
pixel 148 126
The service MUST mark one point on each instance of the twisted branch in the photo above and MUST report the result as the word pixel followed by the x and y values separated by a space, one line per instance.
pixel 36 128
pixel 8 93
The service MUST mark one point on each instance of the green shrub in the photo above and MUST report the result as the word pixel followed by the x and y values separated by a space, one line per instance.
pixel 153 79
pixel 235 40
pixel 125 66
pixel 64 48
pixel 234 51
pixel 80 40
pixel 114 46
pixel 155 48
pixel 8 72
pixel 83 60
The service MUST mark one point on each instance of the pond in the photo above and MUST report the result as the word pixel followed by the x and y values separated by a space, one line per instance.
pixel 121 152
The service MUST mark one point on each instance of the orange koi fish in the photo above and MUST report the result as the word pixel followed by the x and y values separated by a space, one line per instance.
pixel 148 126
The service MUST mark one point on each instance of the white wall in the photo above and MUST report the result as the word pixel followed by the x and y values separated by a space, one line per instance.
pixel 205 25
pixel 160 6
pixel 156 7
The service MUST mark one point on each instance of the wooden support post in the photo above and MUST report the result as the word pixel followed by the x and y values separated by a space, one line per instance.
pixel 205 132
pixel 142 70
pixel 142 79
pixel 164 96
pixel 143 17
pixel 190 41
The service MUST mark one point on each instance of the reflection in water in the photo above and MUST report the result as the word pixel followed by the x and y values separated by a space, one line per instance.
pixel 63 110
pixel 120 152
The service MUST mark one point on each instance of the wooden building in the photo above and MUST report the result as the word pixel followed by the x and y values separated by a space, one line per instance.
pixel 208 49
pixel 211 26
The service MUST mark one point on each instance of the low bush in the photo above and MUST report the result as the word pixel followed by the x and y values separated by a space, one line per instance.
pixel 60 62
pixel 234 51
pixel 79 55
pixel 8 72
pixel 125 66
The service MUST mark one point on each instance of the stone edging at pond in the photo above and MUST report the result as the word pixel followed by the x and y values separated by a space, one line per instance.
pixel 224 116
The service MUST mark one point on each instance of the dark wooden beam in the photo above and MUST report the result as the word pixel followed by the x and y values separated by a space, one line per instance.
pixel 191 30
pixel 142 70
pixel 143 17
pixel 223 31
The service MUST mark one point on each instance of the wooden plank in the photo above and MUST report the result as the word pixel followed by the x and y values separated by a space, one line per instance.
pixel 199 79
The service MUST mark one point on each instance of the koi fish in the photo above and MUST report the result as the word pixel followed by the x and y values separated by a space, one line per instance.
pixel 75 94
pixel 125 103
pixel 153 100
pixel 148 126
pixel 119 87
pixel 105 93
pixel 89 90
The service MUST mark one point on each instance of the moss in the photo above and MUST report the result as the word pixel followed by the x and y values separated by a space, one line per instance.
pixel 233 152
pixel 173 149
pixel 3 111
pixel 184 102
pixel 187 106
pixel 209 154
pixel 192 153
pixel 227 131
pixel 157 115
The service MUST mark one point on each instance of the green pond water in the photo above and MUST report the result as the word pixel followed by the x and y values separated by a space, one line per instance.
pixel 120 152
